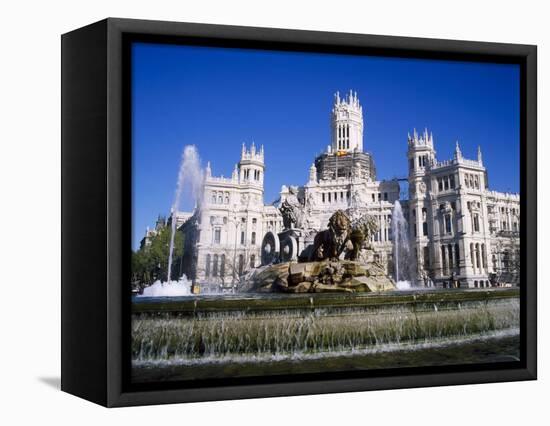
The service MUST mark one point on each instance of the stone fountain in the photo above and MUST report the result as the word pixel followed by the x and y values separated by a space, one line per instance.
pixel 337 259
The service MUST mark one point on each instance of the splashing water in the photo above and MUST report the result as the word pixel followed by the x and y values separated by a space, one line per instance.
pixel 400 248
pixel 190 172
pixel 403 285
pixel 182 287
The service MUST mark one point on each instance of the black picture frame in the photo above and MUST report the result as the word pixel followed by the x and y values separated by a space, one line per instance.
pixel 96 182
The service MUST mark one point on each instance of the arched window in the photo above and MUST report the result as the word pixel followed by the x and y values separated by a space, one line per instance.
pixel 207 266
pixel 448 226
pixel 252 260
pixel 213 198
pixel 483 256
pixel 457 255
pixel 476 222
pixel 222 265
pixel 215 266
pixel 253 240
pixel 472 257
pixel 426 257
pixel 241 264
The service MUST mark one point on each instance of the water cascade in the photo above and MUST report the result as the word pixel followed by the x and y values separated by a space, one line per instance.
pixel 401 248
pixel 190 173
pixel 207 336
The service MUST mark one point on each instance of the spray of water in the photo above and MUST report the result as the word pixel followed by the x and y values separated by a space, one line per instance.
pixel 182 287
pixel 401 247
pixel 190 174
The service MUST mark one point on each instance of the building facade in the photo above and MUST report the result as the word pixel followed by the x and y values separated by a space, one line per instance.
pixel 460 232
pixel 222 238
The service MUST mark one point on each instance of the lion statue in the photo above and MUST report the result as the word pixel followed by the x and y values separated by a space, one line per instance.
pixel 363 227
pixel 332 242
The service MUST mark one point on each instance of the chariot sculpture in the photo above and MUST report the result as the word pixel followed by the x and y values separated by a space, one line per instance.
pixel 301 260
pixel 348 233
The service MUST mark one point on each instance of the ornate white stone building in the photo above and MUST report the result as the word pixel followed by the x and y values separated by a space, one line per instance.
pixel 223 236
pixel 460 231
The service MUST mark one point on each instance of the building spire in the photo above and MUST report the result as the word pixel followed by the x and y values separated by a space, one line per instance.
pixel 458 153
pixel 312 173
pixel 479 157
pixel 208 169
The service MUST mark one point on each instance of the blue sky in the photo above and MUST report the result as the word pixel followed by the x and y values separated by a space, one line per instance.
pixel 218 98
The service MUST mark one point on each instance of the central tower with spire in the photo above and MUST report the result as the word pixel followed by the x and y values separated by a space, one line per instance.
pixel 344 156
pixel 347 124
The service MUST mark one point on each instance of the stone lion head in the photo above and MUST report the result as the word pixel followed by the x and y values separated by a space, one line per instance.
pixel 340 223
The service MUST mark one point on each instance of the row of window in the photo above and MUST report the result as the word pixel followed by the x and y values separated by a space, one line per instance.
pixel 450 257
pixel 384 233
pixel 330 197
pixel 343 137
pixel 224 220
pixel 445 183
pixel 335 197
pixel 257 174
pixel 422 161
pixel 505 226
pixel 471 180
pixel 447 221
pixel 218 234
pixel 219 197
pixel 478 255
pixel 215 265
pixel 513 211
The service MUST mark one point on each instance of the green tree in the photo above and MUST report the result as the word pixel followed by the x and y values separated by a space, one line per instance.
pixel 150 263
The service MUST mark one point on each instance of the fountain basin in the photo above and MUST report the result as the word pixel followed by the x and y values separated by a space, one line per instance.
pixel 176 335
pixel 250 302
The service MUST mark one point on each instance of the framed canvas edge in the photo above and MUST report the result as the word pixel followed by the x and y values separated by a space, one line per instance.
pixel 118 396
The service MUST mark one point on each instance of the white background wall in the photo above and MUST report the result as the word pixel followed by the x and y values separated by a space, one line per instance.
pixel 30 194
